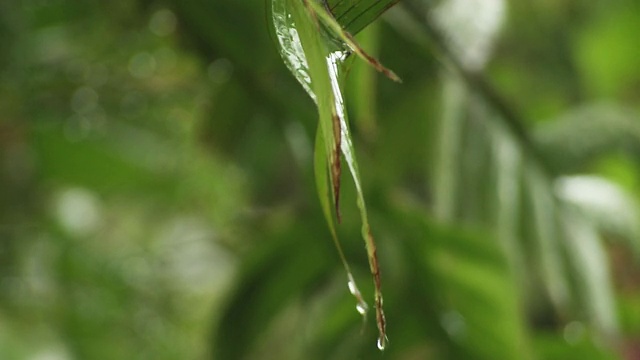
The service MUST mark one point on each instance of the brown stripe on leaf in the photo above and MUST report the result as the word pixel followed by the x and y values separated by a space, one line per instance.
pixel 375 272
pixel 331 22
pixel 371 60
pixel 335 164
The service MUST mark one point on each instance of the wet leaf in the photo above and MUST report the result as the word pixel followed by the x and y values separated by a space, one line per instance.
pixel 315 48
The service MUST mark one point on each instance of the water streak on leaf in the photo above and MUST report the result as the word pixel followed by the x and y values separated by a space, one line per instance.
pixel 334 65
pixel 291 46
pixel 362 306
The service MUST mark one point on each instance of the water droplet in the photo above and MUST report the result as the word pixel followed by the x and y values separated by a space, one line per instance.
pixel 382 342
pixel 361 306
pixel 352 286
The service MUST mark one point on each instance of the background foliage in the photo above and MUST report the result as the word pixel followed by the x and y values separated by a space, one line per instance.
pixel 157 199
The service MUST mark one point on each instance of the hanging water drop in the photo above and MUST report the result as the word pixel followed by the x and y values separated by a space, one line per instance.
pixel 352 286
pixel 382 343
pixel 361 306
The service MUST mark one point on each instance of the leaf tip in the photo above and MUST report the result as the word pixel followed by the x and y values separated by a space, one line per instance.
pixel 393 76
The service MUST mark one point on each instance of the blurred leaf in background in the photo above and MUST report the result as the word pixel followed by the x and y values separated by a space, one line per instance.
pixel 157 196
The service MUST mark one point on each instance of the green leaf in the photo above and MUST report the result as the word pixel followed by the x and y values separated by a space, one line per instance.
pixel 557 228
pixel 315 48
pixel 355 15
pixel 584 134
pixel 605 204
pixel 591 268
pixel 548 247
pixel 474 288
pixel 324 194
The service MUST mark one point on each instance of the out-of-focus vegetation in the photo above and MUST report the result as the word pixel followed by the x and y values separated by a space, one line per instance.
pixel 157 196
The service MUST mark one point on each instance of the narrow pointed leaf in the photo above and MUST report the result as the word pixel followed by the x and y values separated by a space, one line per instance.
pixel 590 263
pixel 324 194
pixel 605 204
pixel 548 247
pixel 314 47
pixel 308 64
pixel 450 136
pixel 355 15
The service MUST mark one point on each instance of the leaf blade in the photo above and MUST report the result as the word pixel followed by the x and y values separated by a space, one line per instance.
pixel 317 55
pixel 355 15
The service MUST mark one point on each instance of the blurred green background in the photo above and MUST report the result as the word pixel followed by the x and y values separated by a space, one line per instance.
pixel 157 199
